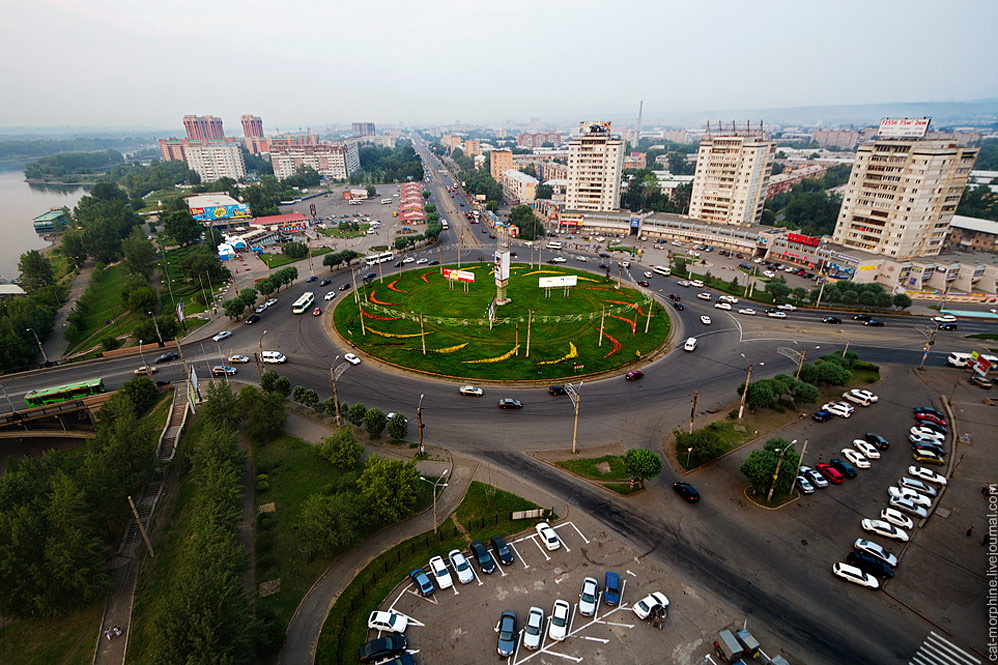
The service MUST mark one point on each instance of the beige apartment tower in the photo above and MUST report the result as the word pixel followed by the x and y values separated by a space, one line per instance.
pixel 595 161
pixel 901 196
pixel 732 176
pixel 500 161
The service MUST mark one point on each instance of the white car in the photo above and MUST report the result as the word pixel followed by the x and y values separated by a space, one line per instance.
pixel 868 450
pixel 271 302
pixel 548 536
pixel 703 296
pixel 147 369
pixel 776 315
pixel 648 275
pixel 768 273
pixel 944 318
pixel 422 261
pixel 471 391
pixel 927 474
pixel 588 597
pixel 696 283
pixel 387 622
pixel 690 345
pixel 239 359
pixel 705 320
pixel 560 615
pixel 816 478
pixel 225 334
pixel 461 567
pixel 897 518
pixel 408 259
pixel 261 308
pixel 682 282
pixel 329 295
pixel 533 628
pixel 722 305
pixel 856 397
pixel 865 394
pixel 838 409
pixel 728 299
pixel 747 311
pixel 645 606
pixel 854 575
pixel 907 505
pixel 909 495
pixel 581 259
pixel 918 486
pixel 925 432
pixel 856 459
pixel 882 528
pixel 804 484
pixel 440 573
pixel 873 549
pixel 558 259
pixel 352 359
pixel 787 307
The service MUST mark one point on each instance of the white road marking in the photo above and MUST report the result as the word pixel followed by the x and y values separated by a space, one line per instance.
pixel 579 532
pixel 546 557
pixel 621 625
pixel 515 551
pixel 595 639
pixel 631 573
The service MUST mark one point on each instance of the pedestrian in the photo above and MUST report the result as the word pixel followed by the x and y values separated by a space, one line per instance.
pixel 970 531
pixel 107 634
pixel 116 631
pixel 819 457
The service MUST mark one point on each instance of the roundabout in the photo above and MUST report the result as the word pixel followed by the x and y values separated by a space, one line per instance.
pixel 558 323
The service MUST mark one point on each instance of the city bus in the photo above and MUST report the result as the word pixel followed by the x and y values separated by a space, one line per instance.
pixel 444 225
pixel 662 270
pixel 42 396
pixel 387 202
pixel 554 245
pixel 302 304
pixel 375 259
pixel 356 202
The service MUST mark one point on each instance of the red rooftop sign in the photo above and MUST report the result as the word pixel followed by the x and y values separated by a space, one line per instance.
pixel 802 240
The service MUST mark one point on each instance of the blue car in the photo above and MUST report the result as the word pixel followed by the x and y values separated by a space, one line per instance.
pixel 611 588
pixel 422 581
pixel 822 416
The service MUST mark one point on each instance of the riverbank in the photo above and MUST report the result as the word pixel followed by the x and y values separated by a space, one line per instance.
pixel 63 183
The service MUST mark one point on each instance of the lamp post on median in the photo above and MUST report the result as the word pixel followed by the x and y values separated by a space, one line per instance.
pixel 776 474
pixel 334 373
pixel 259 358
pixel 40 347
pixel 576 397
pixel 435 486
pixel 143 359
pixel 6 397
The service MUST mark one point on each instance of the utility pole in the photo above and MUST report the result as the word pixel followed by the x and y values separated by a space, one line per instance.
pixel 7 397
pixel 40 347
pixel 353 278
pixel 422 334
pixel 335 373
pixel 576 397
pixel 824 280
pixel 845 350
pixel 620 273
pixel 651 304
pixel 419 423
pixel 529 315
pixel 776 474
pixel 156 324
pixel 800 364
pixel 601 317
pixel 693 410
pixel 925 349
pixel 741 405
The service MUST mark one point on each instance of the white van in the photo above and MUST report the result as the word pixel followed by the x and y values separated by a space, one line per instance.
pixel 662 270
pixel 554 244
pixel 274 357
pixel 690 345
pixel 958 359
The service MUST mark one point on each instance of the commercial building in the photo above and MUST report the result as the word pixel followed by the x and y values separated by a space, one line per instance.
pixel 252 126
pixel 203 128
pixel 499 162
pixel 595 158
pixel 732 176
pixel 336 161
pixel 635 160
pixel 53 220
pixel 903 192
pixel 215 159
pixel 216 209
pixel 784 182
pixel 675 135
pixel 290 223
pixel 517 185
pixel 972 234
pixel 538 139
pixel 363 128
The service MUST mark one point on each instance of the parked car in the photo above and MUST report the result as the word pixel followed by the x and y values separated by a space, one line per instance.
pixel 930 411
pixel 897 518
pixel 485 561
pixel 560 614
pixel 877 440
pixel 854 575
pixel 855 458
pixel 440 573
pixel 833 475
pixel 588 597
pixel 882 528
pixel 869 564
pixel 928 457
pixel 611 588
pixel 873 549
pixel 867 450
pixel 686 491
pixel 931 417
pixel 422 581
pixel 387 622
pixel 906 504
pixel 507 633
pixel 548 536
pixel 533 628
pixel 926 433
pixel 821 416
pixel 816 478
pixel 918 486
pixel 928 475
pixel 502 551
pixel 382 648
pixel 803 484
pixel 644 607
pixel 461 567
pixel 843 467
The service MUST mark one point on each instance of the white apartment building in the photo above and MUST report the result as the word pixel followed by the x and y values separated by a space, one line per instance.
pixel 517 185
pixel 732 177
pixel 902 195
pixel 336 161
pixel 216 159
pixel 595 161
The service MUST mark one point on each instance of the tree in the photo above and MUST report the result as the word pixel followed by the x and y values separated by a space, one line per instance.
pixel 264 413
pixel 234 307
pixel 883 300
pixel 778 289
pixel 341 448
pixel 804 393
pixel 642 464
pixel 36 270
pixel 142 299
pixel 833 374
pixel 389 488
pixel 138 252
pixel 375 421
pixel 72 246
pixel 305 396
pixel 529 226
pixel 141 392
pixel 356 414
pixel 760 393
pixel 181 227
pixel 867 299
pixel 268 381
pixel 426 195
pixel 295 250
pixel 328 524
pixel 398 427
pixel 902 301
pixel 760 466
pixel 705 442
pixel 220 408
pixel 543 191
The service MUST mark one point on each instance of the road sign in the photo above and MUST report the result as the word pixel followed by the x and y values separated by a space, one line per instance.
pixel 980 364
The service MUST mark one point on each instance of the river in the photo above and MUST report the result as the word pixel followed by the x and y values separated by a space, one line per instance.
pixel 19 204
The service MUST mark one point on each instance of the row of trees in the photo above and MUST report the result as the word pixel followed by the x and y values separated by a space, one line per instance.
pixel 844 292
pixel 809 206
pixel 523 217
pixel 12 148
pixel 66 163
pixel 59 513
pixel 344 256
pixel 644 193
pixel 235 307
pixel 387 165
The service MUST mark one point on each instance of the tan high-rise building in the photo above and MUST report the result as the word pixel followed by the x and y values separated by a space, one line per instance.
pixel 500 161
pixel 595 160
pixel 732 177
pixel 215 159
pixel 902 195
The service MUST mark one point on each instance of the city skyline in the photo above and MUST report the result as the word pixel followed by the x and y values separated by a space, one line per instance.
pixel 678 59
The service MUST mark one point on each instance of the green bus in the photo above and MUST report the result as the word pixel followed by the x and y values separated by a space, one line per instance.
pixel 65 392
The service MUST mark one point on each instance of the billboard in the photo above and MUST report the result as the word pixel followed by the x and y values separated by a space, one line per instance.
pixel 480 197
pixel 594 127
pixel 459 275
pixel 811 241
pixel 635 222
pixel 502 266
pixel 557 282
pixel 904 128
pixel 571 218
pixel 213 213
pixel 980 364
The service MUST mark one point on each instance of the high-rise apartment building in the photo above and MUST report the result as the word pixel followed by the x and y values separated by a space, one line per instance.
pixel 336 161
pixel 215 159
pixel 903 192
pixel 203 128
pixel 252 126
pixel 500 161
pixel 363 128
pixel 517 185
pixel 595 160
pixel 732 176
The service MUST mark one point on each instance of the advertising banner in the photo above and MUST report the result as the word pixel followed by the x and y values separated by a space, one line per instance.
pixel 571 218
pixel 904 128
pixel 557 282
pixel 459 275
pixel 594 127
pixel 212 213
pixel 480 197
pixel 502 266
pixel 635 222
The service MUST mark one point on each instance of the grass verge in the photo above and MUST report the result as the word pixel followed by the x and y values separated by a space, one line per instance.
pixel 587 467
pixel 988 336
pixel 63 640
pixel 337 232
pixel 280 260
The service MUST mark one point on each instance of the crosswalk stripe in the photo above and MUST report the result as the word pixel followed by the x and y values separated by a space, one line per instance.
pixel 970 657
pixel 937 650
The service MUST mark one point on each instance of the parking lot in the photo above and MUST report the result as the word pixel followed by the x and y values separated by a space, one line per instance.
pixel 460 624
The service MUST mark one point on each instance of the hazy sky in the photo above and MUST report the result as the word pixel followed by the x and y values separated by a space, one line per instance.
pixel 297 63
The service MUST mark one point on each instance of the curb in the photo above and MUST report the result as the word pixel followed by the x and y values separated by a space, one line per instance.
pixel 790 501
pixel 588 480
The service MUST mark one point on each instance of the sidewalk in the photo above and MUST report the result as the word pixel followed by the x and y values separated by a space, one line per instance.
pixel 55 346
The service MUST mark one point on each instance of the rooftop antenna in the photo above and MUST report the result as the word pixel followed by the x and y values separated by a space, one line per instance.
pixel 637 130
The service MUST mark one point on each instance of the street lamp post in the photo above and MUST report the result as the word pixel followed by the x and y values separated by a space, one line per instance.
pixel 6 397
pixel 38 342
pixel 576 397
pixel 156 324
pixel 143 359
pixel 776 474
pixel 435 486
pixel 419 425
pixel 335 373
pixel 259 358
pixel 741 405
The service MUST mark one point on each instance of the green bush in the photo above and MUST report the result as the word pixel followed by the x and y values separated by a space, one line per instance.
pixel 262 476
pixel 262 486
pixel 264 541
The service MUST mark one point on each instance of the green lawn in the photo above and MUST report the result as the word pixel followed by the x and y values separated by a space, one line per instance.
pixel 343 233
pixel 482 513
pixel 988 336
pixel 107 306
pixel 586 467
pixel 63 640
pixel 280 260
pixel 458 339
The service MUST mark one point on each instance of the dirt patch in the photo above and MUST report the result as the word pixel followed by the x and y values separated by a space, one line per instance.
pixel 270 587
pixel 603 467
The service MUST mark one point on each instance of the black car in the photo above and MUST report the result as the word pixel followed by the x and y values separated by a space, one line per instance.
pixel 383 647
pixel 931 447
pixel 557 390
pixel 325 282
pixel 678 306
pixel 874 323
pixel 482 556
pixel 166 357
pixel 843 467
pixel 604 255
pixel 869 564
pixel 935 427
pixel 642 282
pixel 686 491
pixel 344 287
pixel 502 550
pixel 861 317
pixel 674 296
pixel 436 263
pixel 831 319
pixel 509 403
pixel 876 440
pixel 398 264
pixel 252 318
pixel 370 277
pixel 311 278
pixel 947 326
pixel 507 632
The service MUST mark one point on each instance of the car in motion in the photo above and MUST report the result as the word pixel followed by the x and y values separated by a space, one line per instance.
pixel 560 614
pixel 776 314
pixel 329 295
pixel 877 440
pixel 747 311
pixel 634 375
pixel 270 302
pixel 858 396
pixel 705 320
pixel 944 318
pixel 251 319
pixel 686 491
pixel 703 296
pixel 882 528
pixel 317 311
pixel 223 370
pixel 225 334
pixel 144 369
pixel 344 287
pixel 509 403
pixel 831 319
pixel 873 549
pixel 588 597
pixel 533 628
pixel 722 305
pixel 387 622
pixel 471 391
pixel 352 359
pixel 840 409
pixel 678 306
pixel 644 607
pixel 557 390
pixel 548 536
pixel 854 575
pixel 874 323
pixel 690 344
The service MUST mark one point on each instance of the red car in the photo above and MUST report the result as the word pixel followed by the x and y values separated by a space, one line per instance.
pixel 317 311
pixel 931 418
pixel 634 375
pixel 830 472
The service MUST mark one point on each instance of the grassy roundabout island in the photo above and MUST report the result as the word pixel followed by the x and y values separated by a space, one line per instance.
pixel 564 332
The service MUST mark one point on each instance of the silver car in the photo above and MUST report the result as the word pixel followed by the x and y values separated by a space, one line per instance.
pixel 534 628
pixel 587 599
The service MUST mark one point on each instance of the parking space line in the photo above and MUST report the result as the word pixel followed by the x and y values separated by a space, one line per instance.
pixel 579 532
pixel 546 557
pixel 475 573
pixel 515 551
pixel 595 639
pixel 620 625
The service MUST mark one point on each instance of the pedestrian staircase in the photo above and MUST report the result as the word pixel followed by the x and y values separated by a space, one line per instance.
pixel 178 415
pixel 937 650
